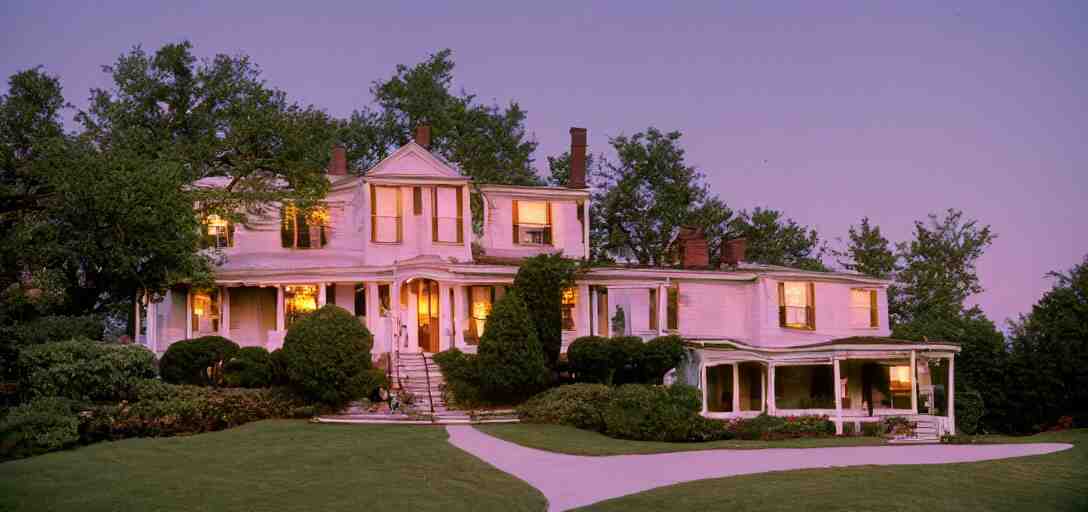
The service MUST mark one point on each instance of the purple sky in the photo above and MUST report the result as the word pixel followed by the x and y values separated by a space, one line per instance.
pixel 828 111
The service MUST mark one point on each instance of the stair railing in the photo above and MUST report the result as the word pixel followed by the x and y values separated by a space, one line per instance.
pixel 427 373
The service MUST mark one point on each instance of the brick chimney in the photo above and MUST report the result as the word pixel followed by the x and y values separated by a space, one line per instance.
pixel 577 158
pixel 423 135
pixel 338 166
pixel 733 251
pixel 694 252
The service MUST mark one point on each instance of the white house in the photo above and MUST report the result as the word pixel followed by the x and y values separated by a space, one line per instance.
pixel 396 247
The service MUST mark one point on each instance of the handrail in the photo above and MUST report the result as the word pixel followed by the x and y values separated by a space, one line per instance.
pixel 427 373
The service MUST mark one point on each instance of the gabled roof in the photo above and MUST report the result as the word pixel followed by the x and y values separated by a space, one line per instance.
pixel 414 162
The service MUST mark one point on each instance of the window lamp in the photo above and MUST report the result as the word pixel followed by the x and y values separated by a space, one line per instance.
pixel 480 300
pixel 796 305
pixel 568 304
pixel 532 222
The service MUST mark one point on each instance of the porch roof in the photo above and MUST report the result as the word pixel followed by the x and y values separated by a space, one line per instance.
pixel 853 343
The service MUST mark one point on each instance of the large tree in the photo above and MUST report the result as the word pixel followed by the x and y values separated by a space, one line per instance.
pixel 868 252
pixel 775 239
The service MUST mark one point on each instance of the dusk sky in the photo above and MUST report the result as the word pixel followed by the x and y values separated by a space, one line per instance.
pixel 828 111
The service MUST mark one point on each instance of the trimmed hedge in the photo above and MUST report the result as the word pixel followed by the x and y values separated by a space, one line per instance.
pixel 278 365
pixel 658 413
pixel 624 359
pixel 575 405
pixel 768 428
pixel 53 328
pixel 328 357
pixel 196 361
pixel 590 359
pixel 83 370
pixel 462 374
pixel 42 425
pixel 626 356
pixel 658 356
pixel 251 367
pixel 511 361
pixel 970 408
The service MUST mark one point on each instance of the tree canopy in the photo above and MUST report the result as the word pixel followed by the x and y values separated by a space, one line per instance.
pixel 868 252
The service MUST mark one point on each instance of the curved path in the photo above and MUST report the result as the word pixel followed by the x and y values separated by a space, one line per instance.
pixel 570 481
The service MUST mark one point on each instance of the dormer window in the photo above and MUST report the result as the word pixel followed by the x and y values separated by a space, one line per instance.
pixel 217 232
pixel 447 215
pixel 532 222
pixel 304 228
pixel 797 305
pixel 386 224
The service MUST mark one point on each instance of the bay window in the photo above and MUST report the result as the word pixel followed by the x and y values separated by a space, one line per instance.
pixel 863 309
pixel 532 222
pixel 447 215
pixel 386 224
pixel 303 228
pixel 796 305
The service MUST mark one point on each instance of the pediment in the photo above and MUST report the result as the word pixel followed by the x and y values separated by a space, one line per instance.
pixel 413 161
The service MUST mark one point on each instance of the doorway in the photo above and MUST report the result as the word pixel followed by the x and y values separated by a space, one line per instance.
pixel 427 314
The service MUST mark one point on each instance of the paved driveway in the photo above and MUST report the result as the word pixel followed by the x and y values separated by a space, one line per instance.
pixel 570 481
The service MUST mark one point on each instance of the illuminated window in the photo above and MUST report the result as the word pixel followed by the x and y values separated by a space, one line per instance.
pixel 569 301
pixel 796 305
pixel 673 308
pixel 383 300
pixel 205 312
pixel 217 232
pixel 303 228
pixel 386 224
pixel 532 222
pixel 298 301
pixel 447 217
pixel 863 309
pixel 480 300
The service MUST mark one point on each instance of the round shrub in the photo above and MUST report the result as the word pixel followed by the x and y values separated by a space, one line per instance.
pixel 42 425
pixel 969 411
pixel 591 359
pixel 575 405
pixel 652 413
pixel 626 355
pixel 279 367
pixel 189 361
pixel 83 370
pixel 328 357
pixel 251 367
pixel 658 356
pixel 512 366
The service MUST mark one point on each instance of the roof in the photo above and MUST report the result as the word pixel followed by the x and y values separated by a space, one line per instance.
pixel 875 340
pixel 856 342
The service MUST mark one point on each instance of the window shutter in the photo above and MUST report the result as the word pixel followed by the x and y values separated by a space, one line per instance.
pixel 373 214
pixel 514 214
pixel 781 304
pixel 810 310
pixel 460 215
pixel 287 228
pixel 417 200
pixel 400 221
pixel 548 230
pixel 434 213
pixel 874 312
pixel 653 309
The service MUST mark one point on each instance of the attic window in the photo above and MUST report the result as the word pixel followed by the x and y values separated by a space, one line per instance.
pixel 532 222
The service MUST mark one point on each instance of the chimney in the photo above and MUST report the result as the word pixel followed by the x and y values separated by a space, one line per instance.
pixel 338 166
pixel 694 252
pixel 423 135
pixel 733 251
pixel 577 158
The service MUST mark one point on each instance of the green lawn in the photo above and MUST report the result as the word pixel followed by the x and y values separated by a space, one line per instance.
pixel 1057 481
pixel 561 439
pixel 269 465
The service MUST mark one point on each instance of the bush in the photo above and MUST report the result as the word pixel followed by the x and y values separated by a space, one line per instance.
pixel 575 405
pixel 626 355
pixel 872 429
pixel 768 428
pixel 328 357
pixel 278 365
pixel 53 328
pixel 540 283
pixel 969 411
pixel 83 370
pixel 42 425
pixel 653 413
pixel 512 366
pixel 251 367
pixel 590 359
pixel 658 356
pixel 196 361
pixel 462 374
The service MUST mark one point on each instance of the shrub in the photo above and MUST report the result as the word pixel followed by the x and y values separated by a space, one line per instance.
pixel 653 413
pixel 540 282
pixel 328 357
pixel 278 365
pixel 42 425
pixel 766 427
pixel 969 411
pixel 897 426
pixel 626 354
pixel 958 439
pixel 189 361
pixel 251 367
pixel 83 370
pixel 54 328
pixel 512 366
pixel 590 359
pixel 575 405
pixel 462 374
pixel 872 429
pixel 658 356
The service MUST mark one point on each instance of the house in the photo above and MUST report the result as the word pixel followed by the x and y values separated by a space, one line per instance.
pixel 395 246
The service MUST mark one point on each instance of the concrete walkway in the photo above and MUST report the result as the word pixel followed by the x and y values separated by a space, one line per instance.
pixel 570 481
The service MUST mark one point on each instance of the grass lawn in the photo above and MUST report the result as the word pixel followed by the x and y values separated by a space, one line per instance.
pixel 269 465
pixel 562 439
pixel 1058 481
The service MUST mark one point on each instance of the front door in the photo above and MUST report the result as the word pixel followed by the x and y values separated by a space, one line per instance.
pixel 427 313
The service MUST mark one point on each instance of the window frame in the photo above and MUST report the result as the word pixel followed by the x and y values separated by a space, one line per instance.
pixel 374 215
pixel 210 241
pixel 295 230
pixel 460 218
pixel 872 307
pixel 810 306
pixel 548 227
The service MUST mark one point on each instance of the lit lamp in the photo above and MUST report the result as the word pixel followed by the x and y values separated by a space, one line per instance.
pixel 216 224
pixel 568 297
pixel 480 312
pixel 199 303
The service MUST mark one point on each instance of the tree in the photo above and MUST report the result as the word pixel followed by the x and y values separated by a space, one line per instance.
pixel 511 362
pixel 774 239
pixel 540 281
pixel 559 169
pixel 868 252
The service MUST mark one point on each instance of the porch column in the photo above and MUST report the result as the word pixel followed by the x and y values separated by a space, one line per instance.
pixel 662 309
pixel 189 313
pixel 702 381
pixel 445 312
pixel 763 390
pixel 771 407
pixel 952 393
pixel 913 384
pixel 224 312
pixel 281 320
pixel 136 319
pixel 736 388
pixel 838 398
pixel 458 314
pixel 152 325
pixel 394 314
pixel 321 287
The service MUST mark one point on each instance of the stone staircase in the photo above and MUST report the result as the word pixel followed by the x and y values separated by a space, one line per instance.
pixel 927 431
pixel 417 374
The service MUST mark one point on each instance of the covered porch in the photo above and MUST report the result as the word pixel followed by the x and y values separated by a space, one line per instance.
pixel 850 380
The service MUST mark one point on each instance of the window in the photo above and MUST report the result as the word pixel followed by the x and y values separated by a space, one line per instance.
pixel 360 299
pixel 386 225
pixel 480 301
pixel 330 293
pixel 673 308
pixel 568 304
pixel 298 301
pixel 383 300
pixel 653 309
pixel 796 305
pixel 205 309
pixel 417 200
pixel 899 386
pixel 447 217
pixel 218 233
pixel 303 228
pixel 863 310
pixel 532 222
